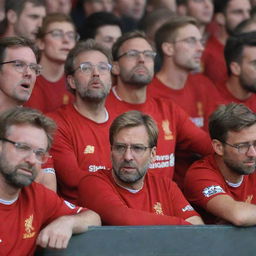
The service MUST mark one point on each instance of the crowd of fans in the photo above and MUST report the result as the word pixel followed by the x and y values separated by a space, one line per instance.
pixel 125 112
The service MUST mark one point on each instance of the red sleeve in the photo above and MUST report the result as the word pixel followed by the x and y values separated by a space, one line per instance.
pixel 66 166
pixel 102 197
pixel 189 136
pixel 202 184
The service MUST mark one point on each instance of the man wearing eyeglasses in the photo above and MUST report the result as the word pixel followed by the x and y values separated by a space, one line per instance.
pixel 133 68
pixel 35 215
pixel 180 46
pixel 127 194
pixel 80 144
pixel 222 185
pixel 55 39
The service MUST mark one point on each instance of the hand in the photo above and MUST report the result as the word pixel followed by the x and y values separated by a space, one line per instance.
pixel 57 234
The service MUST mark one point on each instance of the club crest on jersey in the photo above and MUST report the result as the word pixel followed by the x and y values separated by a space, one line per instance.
pixel 89 149
pixel 158 208
pixel 28 224
pixel 167 132
pixel 212 190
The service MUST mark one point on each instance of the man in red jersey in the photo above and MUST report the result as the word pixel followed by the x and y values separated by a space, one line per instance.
pixel 222 185
pixel 18 72
pixel 228 14
pixel 34 214
pixel 240 55
pixel 127 194
pixel 80 143
pixel 55 39
pixel 133 67
pixel 179 44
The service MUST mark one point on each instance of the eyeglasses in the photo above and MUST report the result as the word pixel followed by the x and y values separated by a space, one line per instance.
pixel 136 150
pixel 242 148
pixel 134 54
pixel 59 34
pixel 192 41
pixel 87 67
pixel 22 66
pixel 25 151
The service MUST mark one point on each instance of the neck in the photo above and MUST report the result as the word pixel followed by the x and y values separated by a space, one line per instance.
pixel 138 185
pixel 7 192
pixel 94 111
pixel 52 71
pixel 130 93
pixel 6 102
pixel 222 35
pixel 228 174
pixel 235 88
pixel 172 76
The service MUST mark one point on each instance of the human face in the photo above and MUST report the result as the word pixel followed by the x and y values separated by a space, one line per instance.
pixel 138 71
pixel 128 168
pixel 29 21
pixel 131 8
pixel 238 163
pixel 187 52
pixel 17 87
pixel 202 10
pixel 91 7
pixel 62 6
pixel 56 49
pixel 247 66
pixel 236 12
pixel 91 87
pixel 16 170
pixel 107 35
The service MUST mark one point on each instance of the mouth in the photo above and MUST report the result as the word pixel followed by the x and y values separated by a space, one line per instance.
pixel 26 172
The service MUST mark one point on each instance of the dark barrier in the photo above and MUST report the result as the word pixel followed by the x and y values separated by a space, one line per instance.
pixel 161 241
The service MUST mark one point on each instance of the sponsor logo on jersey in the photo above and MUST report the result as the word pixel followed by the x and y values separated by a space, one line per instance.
pixel 167 132
pixel 163 161
pixel 95 168
pixel 212 190
pixel 89 149
pixel 28 225
pixel 198 121
pixel 158 208
pixel 188 208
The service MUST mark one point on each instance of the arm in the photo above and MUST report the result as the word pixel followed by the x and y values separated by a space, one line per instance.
pixel 58 233
pixel 101 196
pixel 238 213
pixel 195 220
pixel 47 178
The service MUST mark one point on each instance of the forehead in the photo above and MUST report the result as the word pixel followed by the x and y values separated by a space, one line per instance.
pixel 21 53
pixel 246 134
pixel 109 30
pixel 91 56
pixel 61 25
pixel 238 4
pixel 132 135
pixel 249 53
pixel 33 136
pixel 139 44
pixel 189 30
pixel 30 8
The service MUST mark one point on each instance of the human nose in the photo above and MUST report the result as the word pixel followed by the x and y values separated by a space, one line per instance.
pixel 251 150
pixel 31 157
pixel 95 70
pixel 128 154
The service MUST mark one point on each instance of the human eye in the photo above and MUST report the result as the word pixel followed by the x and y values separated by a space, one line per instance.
pixel 119 147
pixel 57 33
pixel 35 68
pixel 103 67
pixel 138 148
pixel 132 53
pixel 71 35
pixel 19 64
pixel 149 54
pixel 86 67
pixel 191 40
pixel 22 147
pixel 243 147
